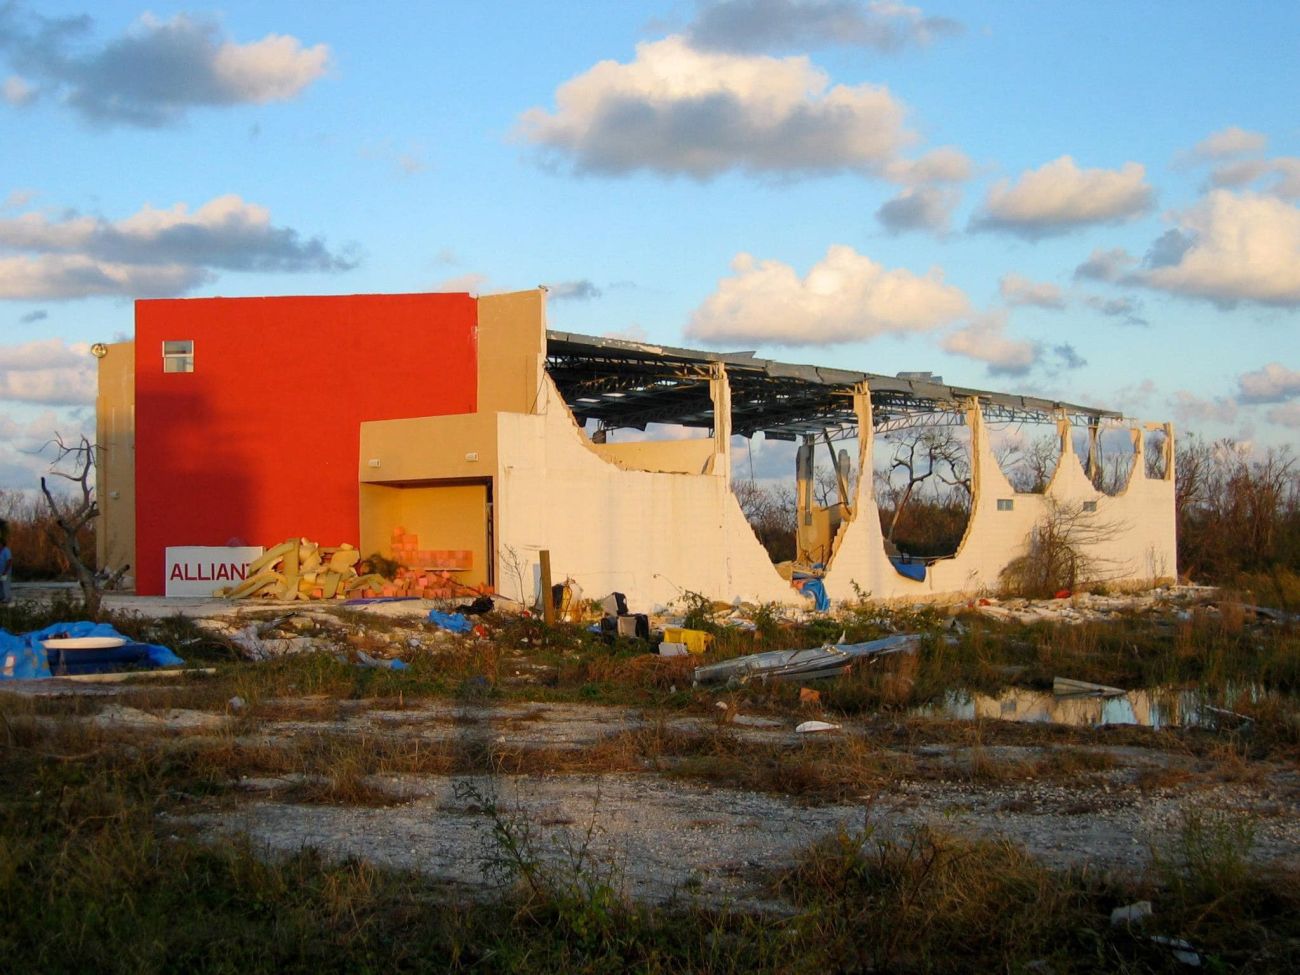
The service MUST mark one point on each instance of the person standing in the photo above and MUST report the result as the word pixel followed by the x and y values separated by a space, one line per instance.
pixel 6 563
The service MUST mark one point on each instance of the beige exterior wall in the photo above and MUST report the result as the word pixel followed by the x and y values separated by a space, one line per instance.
pixel 511 351
pixel 115 460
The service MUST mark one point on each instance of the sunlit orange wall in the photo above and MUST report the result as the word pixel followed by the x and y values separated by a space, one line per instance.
pixel 260 442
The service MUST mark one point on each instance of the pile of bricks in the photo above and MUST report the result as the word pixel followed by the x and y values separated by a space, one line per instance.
pixel 427 573
pixel 406 551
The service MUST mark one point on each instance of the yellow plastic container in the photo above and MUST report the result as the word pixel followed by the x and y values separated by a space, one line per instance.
pixel 697 641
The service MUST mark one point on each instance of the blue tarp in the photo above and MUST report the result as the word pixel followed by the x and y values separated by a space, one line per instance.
pixel 912 570
pixel 454 622
pixel 815 589
pixel 23 657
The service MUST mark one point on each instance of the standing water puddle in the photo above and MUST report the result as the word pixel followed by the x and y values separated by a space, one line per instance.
pixel 1160 707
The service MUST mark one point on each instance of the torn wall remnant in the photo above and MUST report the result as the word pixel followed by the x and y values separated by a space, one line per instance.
pixel 493 453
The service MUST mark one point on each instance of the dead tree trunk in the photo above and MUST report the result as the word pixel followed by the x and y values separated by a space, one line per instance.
pixel 71 515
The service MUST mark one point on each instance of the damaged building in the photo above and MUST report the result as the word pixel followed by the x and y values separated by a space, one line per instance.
pixel 465 423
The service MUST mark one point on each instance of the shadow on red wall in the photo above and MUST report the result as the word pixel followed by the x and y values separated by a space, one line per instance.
pixel 259 442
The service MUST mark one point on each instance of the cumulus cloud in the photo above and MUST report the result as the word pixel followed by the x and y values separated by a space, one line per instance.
pixel 926 208
pixel 1228 248
pixel 47 371
pixel 1106 265
pixel 1229 142
pixel 985 340
pixel 1271 384
pixel 1286 415
pixel 34 316
pixel 156 71
pixel 1134 397
pixel 1019 290
pixel 946 164
pixel 675 110
pixel 845 297
pixel 1059 197
pixel 1125 308
pixel 757 26
pixel 153 252
pixel 1190 408
pixel 583 290
pixel 25 441
pixel 1279 176
pixel 1068 357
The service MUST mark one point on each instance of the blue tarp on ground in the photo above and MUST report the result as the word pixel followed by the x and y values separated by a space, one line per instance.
pixel 24 657
pixel 454 622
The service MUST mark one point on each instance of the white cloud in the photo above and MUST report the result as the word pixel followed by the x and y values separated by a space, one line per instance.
pixel 946 164
pixel 582 290
pixel 1190 408
pixel 1286 415
pixel 1106 265
pixel 1122 307
pixel 50 277
pixel 47 371
pixel 1019 290
pixel 985 340
pixel 921 208
pixel 1271 384
pixel 845 297
pixel 675 110
pixel 25 442
pixel 1279 176
pixel 1229 142
pixel 1230 247
pixel 152 252
pixel 1134 397
pixel 17 92
pixel 754 26
pixel 471 282
pixel 1059 197
pixel 156 71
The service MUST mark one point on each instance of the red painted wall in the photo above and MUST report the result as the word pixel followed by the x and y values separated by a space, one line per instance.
pixel 259 443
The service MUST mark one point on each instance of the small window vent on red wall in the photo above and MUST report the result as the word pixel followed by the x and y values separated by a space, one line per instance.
pixel 178 356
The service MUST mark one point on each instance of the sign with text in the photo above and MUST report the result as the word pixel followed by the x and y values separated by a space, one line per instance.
pixel 199 570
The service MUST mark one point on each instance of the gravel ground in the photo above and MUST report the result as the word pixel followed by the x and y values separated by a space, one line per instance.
pixel 662 838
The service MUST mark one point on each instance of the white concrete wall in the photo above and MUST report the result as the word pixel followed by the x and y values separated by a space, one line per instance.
pixel 655 536
pixel 650 535
pixel 1136 542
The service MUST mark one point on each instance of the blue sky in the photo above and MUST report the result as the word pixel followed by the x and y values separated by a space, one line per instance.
pixel 1092 201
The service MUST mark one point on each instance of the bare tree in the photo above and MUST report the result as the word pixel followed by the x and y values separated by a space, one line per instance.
pixel 1029 467
pixel 1060 555
pixel 71 514
pixel 932 454
pixel 770 511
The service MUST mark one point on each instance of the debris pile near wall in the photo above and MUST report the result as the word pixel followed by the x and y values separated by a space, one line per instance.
pixel 299 568
pixel 406 551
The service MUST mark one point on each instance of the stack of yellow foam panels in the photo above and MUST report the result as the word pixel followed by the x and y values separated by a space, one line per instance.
pixel 299 568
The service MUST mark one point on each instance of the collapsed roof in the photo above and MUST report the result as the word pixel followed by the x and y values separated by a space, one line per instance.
pixel 630 384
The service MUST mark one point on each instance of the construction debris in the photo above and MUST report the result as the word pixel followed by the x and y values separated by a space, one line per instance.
pixel 1067 686
pixel 300 569
pixel 812 727
pixel 813 663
